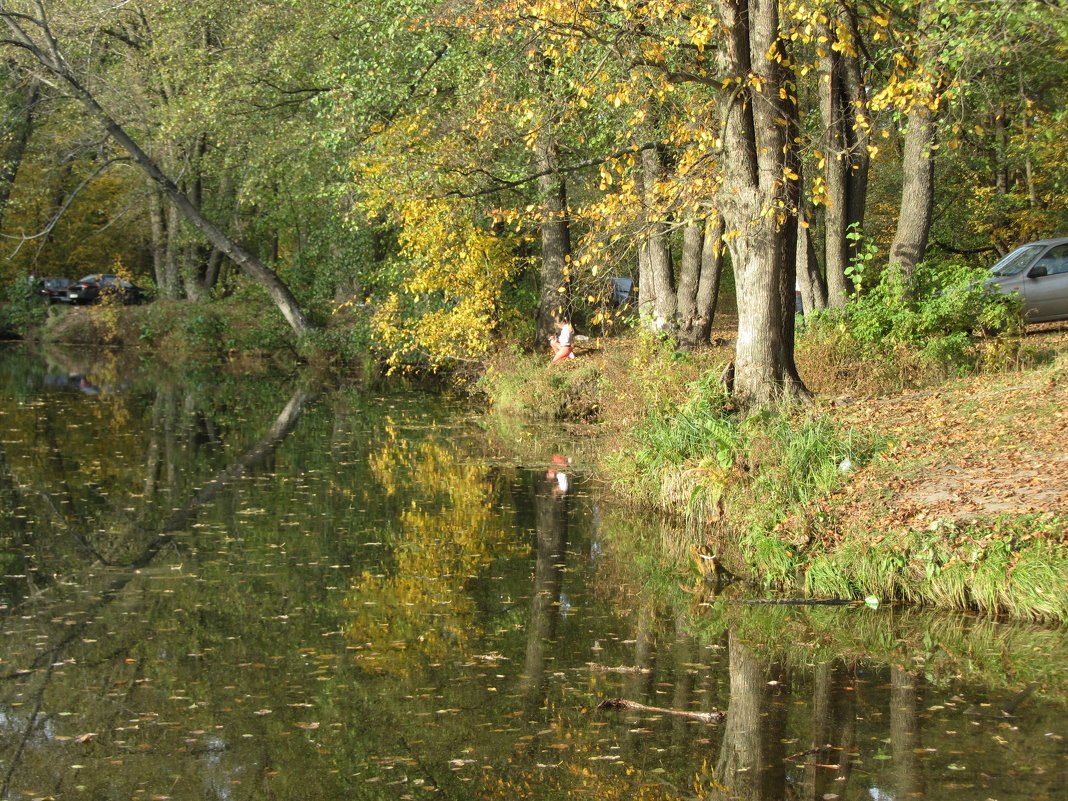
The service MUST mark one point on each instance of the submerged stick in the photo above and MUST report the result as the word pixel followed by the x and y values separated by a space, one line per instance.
pixel 633 706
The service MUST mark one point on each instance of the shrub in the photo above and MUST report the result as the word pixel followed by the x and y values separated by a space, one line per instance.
pixel 23 308
pixel 936 313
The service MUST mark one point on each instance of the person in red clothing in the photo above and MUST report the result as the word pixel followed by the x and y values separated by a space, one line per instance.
pixel 561 341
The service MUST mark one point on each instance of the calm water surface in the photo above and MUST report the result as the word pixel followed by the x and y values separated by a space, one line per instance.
pixel 224 588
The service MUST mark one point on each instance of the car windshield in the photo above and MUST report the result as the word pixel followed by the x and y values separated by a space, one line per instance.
pixel 89 279
pixel 1017 261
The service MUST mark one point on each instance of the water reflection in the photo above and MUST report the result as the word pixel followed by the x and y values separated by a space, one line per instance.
pixel 249 589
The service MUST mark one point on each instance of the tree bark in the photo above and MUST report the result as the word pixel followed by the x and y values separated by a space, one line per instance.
pixel 711 274
pixel 758 195
pixel 50 58
pixel 843 106
pixel 858 130
pixel 693 237
pixel 809 278
pixel 835 147
pixel 699 275
pixel 917 192
pixel 554 299
pixel 658 248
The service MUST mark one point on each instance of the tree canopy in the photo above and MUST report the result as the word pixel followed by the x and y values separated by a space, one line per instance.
pixel 447 174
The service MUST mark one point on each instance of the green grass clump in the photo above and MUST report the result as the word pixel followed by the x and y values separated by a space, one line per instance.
pixel 532 387
pixel 1015 566
pixel 701 456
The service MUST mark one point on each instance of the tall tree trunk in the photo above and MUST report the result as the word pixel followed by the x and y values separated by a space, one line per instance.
pixel 835 146
pixel 693 237
pixel 757 195
pixel 711 275
pixel 19 138
pixel 917 168
pixel 843 106
pixel 158 228
pixel 554 299
pixel 858 128
pixel 49 57
pixel 658 247
pixel 809 278
pixel 699 284
pixel 917 192
pixel 699 275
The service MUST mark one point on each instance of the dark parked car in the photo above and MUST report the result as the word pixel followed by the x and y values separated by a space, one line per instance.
pixel 1038 272
pixel 93 288
pixel 54 290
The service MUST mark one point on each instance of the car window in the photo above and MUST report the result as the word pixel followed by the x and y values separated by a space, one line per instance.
pixel 89 279
pixel 1017 261
pixel 1055 260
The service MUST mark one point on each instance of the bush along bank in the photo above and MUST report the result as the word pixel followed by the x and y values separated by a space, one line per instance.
pixel 910 500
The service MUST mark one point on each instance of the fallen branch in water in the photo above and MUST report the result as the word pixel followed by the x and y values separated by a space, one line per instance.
pixel 632 706
pixel 621 669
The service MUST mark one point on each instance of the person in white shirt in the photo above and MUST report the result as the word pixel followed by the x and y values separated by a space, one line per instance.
pixel 561 342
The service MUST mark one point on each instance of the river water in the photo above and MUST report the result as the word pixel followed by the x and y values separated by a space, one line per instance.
pixel 220 587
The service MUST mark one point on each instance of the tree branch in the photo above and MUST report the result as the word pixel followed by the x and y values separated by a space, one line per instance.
pixel 581 165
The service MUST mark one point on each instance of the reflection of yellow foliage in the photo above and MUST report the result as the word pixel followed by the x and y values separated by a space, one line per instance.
pixel 450 534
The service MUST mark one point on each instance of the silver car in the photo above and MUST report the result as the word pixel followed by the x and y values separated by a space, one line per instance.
pixel 1038 272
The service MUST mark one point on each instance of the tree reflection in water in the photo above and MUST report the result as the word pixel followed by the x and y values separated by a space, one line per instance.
pixel 246 593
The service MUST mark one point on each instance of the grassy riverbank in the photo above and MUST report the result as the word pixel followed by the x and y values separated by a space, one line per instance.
pixel 900 482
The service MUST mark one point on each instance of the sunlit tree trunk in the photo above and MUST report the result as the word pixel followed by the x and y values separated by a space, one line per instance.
pixel 845 148
pixel 835 148
pixel 917 191
pixel 657 248
pixel 699 276
pixel 809 278
pixel 759 197
pixel 917 168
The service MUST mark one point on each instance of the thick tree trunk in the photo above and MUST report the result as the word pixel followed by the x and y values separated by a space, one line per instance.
pixel 758 199
pixel 554 300
pixel 693 237
pixel 49 57
pixel 917 192
pixel 658 248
